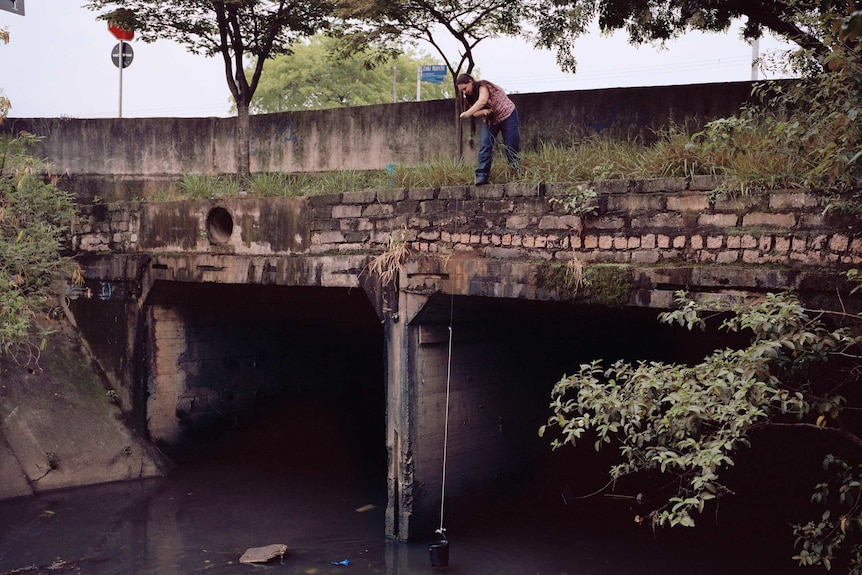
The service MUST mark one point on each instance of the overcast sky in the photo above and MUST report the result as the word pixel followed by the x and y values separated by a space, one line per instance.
pixel 58 64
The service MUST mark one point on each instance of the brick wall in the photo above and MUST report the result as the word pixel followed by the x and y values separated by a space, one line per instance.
pixel 660 222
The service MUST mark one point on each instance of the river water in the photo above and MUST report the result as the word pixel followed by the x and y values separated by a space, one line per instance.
pixel 204 515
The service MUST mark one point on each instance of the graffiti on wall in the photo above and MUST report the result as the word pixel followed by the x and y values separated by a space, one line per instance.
pixel 275 130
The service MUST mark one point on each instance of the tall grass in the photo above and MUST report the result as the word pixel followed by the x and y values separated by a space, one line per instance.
pixel 746 159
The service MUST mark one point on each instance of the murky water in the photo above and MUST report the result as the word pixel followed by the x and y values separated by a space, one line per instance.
pixel 203 516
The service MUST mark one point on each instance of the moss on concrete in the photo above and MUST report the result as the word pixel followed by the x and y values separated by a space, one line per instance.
pixel 60 426
pixel 602 284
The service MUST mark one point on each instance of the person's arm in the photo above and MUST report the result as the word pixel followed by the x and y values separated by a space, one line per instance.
pixel 477 108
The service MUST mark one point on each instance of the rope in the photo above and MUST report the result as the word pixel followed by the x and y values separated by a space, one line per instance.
pixel 441 530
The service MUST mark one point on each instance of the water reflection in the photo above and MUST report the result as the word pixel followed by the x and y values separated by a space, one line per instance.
pixel 203 516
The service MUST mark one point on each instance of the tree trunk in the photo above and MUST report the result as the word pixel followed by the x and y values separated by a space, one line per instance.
pixel 243 143
pixel 459 131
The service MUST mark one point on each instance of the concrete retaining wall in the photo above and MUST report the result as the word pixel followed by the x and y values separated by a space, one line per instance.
pixel 93 152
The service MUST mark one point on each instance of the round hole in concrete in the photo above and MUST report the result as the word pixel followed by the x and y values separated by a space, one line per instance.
pixel 219 226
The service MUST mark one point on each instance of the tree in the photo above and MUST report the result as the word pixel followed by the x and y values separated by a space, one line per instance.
pixel 687 423
pixel 236 30
pixel 813 119
pixel 560 23
pixel 384 26
pixel 313 77
pixel 34 226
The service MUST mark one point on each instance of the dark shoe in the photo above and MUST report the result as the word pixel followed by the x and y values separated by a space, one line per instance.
pixel 481 182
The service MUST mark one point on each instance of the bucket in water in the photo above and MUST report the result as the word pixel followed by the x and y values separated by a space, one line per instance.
pixel 439 551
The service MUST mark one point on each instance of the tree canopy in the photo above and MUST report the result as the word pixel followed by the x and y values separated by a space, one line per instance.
pixel 656 21
pixel 312 76
pixel 385 27
pixel 237 30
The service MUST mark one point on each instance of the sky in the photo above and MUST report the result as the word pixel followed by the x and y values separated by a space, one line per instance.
pixel 58 64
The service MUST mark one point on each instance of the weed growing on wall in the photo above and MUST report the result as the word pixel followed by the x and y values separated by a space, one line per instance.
pixel 603 284
pixel 579 200
pixel 387 265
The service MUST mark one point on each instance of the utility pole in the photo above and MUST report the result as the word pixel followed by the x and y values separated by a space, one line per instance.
pixel 755 56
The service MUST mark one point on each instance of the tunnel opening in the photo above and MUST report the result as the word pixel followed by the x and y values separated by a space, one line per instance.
pixel 288 374
pixel 297 375
pixel 510 354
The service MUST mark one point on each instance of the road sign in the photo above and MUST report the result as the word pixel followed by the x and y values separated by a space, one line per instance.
pixel 433 74
pixel 128 54
pixel 15 6
pixel 121 33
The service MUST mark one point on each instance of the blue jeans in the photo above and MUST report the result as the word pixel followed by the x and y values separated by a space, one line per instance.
pixel 511 140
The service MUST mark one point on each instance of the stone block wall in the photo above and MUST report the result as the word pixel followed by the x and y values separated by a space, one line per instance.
pixel 649 223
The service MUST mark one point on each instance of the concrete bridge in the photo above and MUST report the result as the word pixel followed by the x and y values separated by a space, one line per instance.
pixel 368 313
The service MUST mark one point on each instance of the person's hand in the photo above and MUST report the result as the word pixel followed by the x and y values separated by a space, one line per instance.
pixel 464 115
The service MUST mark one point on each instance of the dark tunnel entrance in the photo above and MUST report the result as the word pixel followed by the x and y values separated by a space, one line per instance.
pixel 525 347
pixel 508 354
pixel 298 374
pixel 293 373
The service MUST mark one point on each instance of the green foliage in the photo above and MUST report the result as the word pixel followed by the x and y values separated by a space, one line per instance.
pixel 257 29
pixel 803 133
pixel 239 32
pixel 602 284
pixel 34 225
pixel 196 186
pixel 383 27
pixel 313 76
pixel 122 18
pixel 835 537
pixel 579 199
pixel 441 172
pixel 566 279
pixel 687 421
pixel 808 129
pixel 559 24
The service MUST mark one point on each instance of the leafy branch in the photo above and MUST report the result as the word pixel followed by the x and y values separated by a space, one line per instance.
pixel 687 422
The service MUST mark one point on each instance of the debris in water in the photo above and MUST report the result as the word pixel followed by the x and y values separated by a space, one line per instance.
pixel 263 554
pixel 344 562
pixel 365 508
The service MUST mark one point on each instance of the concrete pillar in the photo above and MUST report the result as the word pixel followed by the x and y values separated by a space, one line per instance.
pixel 400 418
pixel 166 384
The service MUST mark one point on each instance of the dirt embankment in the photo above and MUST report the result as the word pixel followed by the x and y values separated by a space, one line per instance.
pixel 60 425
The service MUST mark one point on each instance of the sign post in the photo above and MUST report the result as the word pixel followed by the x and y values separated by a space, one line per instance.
pixel 433 74
pixel 122 54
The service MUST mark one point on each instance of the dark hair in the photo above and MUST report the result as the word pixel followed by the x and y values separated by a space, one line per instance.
pixel 464 79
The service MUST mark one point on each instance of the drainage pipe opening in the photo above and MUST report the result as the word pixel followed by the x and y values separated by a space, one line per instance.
pixel 219 226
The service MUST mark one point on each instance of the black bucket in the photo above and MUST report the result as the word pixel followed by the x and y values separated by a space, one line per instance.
pixel 439 551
